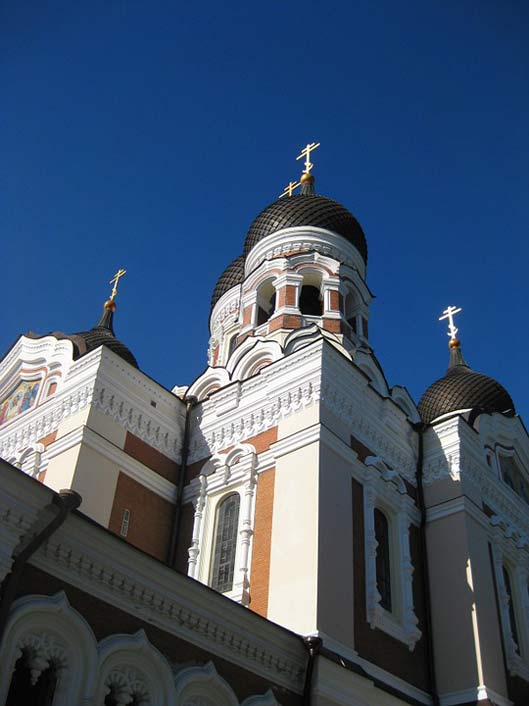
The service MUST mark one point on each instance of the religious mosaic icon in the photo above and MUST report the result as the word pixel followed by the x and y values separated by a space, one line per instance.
pixel 20 400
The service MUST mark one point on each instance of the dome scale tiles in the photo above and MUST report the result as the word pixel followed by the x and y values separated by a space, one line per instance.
pixel 463 388
pixel 307 210
pixel 232 275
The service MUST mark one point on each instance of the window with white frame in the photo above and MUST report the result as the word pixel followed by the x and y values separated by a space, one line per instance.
pixel 225 544
pixel 388 513
pixel 383 559
pixel 511 569
pixel 512 475
pixel 224 500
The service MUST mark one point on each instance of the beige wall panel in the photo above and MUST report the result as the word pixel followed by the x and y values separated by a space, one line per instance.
pixel 441 492
pixel 297 422
pixel 106 427
pixel 335 571
pixel 294 553
pixel 489 638
pixel 95 480
pixel 453 631
pixel 73 422
pixel 61 470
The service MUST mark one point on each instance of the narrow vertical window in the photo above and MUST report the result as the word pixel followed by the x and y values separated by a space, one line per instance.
pixel 383 569
pixel 225 543
pixel 512 616
pixel 125 521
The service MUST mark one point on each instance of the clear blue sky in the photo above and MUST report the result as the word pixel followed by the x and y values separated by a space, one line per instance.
pixel 148 135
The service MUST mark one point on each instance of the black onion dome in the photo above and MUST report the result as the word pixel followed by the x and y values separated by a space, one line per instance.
pixel 307 210
pixel 232 276
pixel 103 335
pixel 463 388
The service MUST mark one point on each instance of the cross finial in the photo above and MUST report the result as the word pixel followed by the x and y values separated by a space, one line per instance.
pixel 305 152
pixel 115 281
pixel 287 191
pixel 449 313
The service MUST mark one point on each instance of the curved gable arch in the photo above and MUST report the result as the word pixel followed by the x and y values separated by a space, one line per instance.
pixel 373 372
pixel 212 379
pixel 131 666
pixel 54 632
pixel 402 399
pixel 203 685
pixel 261 354
pixel 267 699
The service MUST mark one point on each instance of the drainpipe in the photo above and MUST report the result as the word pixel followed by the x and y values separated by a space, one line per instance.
pixel 173 544
pixel 420 429
pixel 61 506
pixel 313 645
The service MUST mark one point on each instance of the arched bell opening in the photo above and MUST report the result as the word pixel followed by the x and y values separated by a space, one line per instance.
pixel 266 301
pixel 311 294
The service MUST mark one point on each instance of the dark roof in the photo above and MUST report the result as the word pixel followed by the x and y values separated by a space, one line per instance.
pixel 307 210
pixel 232 276
pixel 463 388
pixel 103 335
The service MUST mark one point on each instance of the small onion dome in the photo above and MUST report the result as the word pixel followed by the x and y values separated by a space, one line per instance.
pixel 307 210
pixel 462 388
pixel 232 276
pixel 103 335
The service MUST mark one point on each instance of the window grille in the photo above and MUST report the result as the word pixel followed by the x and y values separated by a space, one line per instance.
pixel 225 543
pixel 512 616
pixel 383 569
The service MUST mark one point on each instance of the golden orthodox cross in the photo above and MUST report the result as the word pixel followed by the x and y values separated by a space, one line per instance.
pixel 289 189
pixel 305 152
pixel 449 313
pixel 115 281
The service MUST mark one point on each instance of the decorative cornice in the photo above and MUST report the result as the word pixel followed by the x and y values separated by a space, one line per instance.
pixel 173 603
pixel 103 381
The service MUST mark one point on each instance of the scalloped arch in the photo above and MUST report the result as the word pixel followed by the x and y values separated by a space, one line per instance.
pixel 53 616
pixel 203 682
pixel 210 380
pixel 135 652
pixel 371 369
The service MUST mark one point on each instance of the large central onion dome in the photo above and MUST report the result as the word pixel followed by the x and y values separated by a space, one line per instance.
pixel 463 388
pixel 307 210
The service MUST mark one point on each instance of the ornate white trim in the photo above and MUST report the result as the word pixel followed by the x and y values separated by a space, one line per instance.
pixel 222 475
pixel 202 686
pixel 400 510
pixel 131 667
pixel 49 631
pixel 306 238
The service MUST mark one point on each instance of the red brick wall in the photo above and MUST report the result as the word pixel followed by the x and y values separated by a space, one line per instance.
pixel 262 541
pixel 151 517
pixel 151 458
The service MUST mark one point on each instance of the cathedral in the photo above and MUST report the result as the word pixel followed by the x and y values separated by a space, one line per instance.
pixel 288 530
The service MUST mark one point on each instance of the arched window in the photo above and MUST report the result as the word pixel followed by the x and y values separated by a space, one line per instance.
pixel 351 311
pixel 383 567
pixel 27 690
pixel 225 543
pixel 232 343
pixel 266 302
pixel 512 616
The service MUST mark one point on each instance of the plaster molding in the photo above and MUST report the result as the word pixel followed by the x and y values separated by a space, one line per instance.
pixel 97 562
pixel 288 241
